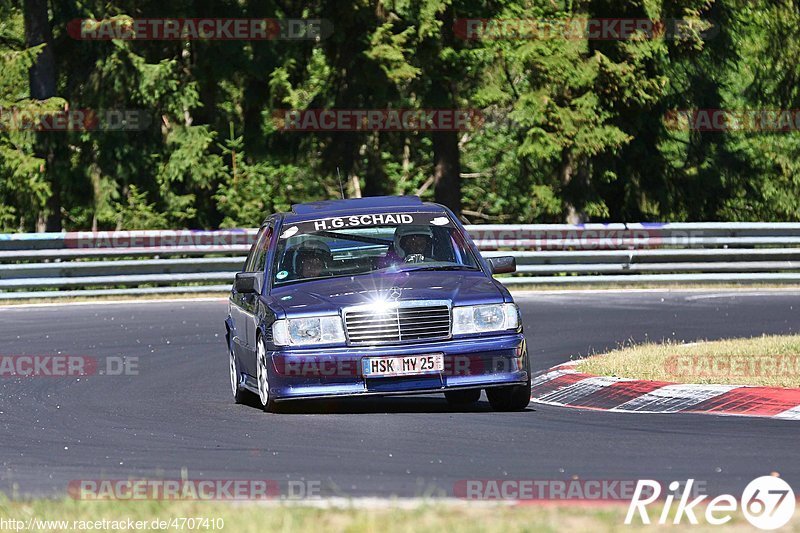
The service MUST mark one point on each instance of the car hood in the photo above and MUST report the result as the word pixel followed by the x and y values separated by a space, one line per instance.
pixel 327 295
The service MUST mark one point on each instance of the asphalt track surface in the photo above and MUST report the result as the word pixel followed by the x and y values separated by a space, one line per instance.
pixel 177 412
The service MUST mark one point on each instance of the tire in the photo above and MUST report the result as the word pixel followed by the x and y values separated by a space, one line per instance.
pixel 511 398
pixel 265 399
pixel 239 392
pixel 463 397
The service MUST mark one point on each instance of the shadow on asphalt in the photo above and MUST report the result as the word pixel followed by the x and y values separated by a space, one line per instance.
pixel 377 405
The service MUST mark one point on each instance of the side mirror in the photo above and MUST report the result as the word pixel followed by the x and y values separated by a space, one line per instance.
pixel 249 282
pixel 502 265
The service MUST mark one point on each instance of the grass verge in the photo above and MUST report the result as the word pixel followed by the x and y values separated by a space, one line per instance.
pixel 663 286
pixel 434 518
pixel 115 298
pixel 770 361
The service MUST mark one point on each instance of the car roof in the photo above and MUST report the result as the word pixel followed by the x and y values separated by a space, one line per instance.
pixel 356 206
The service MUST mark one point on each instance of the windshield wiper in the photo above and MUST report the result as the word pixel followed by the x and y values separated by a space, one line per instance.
pixel 445 267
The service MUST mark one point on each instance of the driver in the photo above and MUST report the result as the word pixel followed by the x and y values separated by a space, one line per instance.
pixel 312 258
pixel 411 244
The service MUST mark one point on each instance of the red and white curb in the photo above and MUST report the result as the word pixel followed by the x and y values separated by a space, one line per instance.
pixel 564 386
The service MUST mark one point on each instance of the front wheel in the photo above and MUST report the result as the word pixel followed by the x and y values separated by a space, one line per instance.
pixel 266 400
pixel 463 397
pixel 511 398
pixel 238 390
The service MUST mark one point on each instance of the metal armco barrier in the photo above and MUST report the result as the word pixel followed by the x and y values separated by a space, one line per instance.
pixel 49 265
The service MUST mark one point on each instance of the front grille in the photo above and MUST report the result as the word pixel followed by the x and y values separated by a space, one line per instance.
pixel 408 321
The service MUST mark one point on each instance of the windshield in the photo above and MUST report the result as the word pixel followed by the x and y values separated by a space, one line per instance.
pixel 362 244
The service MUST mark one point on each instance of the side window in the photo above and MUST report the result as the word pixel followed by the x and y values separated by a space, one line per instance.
pixel 261 254
pixel 258 253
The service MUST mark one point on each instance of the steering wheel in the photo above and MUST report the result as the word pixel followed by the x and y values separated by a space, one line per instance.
pixel 415 258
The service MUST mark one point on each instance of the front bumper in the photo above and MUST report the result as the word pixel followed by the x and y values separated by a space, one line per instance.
pixel 469 363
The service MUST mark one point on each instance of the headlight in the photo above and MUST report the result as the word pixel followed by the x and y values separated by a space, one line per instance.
pixel 480 318
pixel 311 330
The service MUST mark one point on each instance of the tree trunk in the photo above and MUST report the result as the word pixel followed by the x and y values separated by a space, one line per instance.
pixel 42 74
pixel 42 81
pixel 375 179
pixel 571 215
pixel 447 170
pixel 446 155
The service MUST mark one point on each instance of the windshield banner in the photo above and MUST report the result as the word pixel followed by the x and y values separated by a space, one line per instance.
pixel 366 221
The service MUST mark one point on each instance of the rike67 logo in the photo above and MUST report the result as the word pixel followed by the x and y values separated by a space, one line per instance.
pixel 767 503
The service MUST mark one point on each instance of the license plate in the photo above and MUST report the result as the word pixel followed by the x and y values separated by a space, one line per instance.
pixel 372 367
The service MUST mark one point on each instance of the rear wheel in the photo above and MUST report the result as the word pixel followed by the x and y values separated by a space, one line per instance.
pixel 463 397
pixel 266 400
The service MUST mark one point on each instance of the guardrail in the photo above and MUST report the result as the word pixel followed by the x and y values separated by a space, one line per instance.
pixel 35 265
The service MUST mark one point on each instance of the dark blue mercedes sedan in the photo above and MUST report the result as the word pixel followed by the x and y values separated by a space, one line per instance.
pixel 374 296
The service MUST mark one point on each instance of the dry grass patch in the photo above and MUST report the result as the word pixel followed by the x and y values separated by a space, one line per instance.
pixel 772 361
